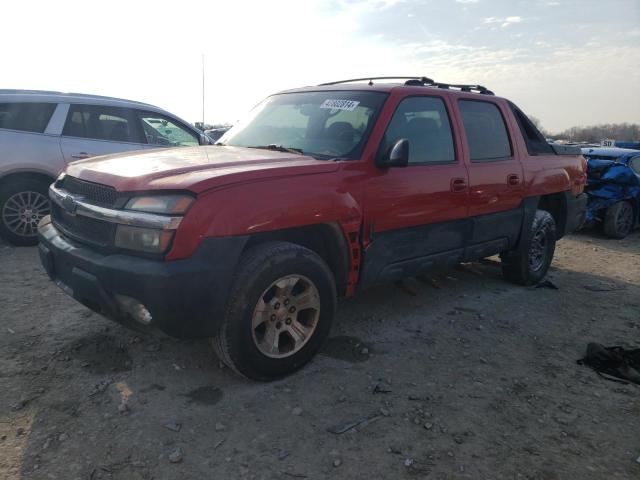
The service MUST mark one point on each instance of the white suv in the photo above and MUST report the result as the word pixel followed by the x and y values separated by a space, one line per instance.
pixel 40 132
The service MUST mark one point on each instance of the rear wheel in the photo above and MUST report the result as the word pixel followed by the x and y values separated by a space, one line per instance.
pixel 618 220
pixel 530 263
pixel 280 310
pixel 23 203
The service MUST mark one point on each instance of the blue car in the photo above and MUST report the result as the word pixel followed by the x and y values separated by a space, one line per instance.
pixel 613 188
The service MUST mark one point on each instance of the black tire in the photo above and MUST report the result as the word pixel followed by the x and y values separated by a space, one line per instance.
pixel 618 220
pixel 261 266
pixel 529 264
pixel 11 227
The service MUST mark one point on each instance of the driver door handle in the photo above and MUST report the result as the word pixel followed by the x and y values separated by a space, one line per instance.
pixel 80 155
pixel 458 185
pixel 513 179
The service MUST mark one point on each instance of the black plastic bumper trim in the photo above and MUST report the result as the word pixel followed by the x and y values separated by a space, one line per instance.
pixel 186 298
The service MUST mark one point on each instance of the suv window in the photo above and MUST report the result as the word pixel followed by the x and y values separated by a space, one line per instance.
pixel 486 131
pixel 425 123
pixel 26 116
pixel 161 130
pixel 535 141
pixel 100 123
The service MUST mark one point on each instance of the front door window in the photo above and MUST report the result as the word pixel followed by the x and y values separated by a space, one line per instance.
pixel 165 132
pixel 425 123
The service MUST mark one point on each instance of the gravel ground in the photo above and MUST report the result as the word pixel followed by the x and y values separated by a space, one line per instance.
pixel 461 376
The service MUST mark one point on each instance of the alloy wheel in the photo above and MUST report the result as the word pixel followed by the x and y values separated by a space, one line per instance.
pixel 23 211
pixel 625 218
pixel 537 250
pixel 286 316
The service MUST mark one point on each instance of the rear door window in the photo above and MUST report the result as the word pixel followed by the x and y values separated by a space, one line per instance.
pixel 425 123
pixel 26 116
pixel 99 122
pixel 486 131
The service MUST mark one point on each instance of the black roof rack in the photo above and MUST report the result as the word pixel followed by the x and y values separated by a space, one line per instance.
pixel 419 81
pixel 371 79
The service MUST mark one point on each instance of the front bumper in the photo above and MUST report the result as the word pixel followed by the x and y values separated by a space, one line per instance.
pixel 186 298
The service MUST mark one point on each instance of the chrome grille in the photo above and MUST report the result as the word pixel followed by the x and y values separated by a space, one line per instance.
pixel 93 192
pixel 83 229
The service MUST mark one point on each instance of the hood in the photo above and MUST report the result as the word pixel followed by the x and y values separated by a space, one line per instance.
pixel 606 152
pixel 194 168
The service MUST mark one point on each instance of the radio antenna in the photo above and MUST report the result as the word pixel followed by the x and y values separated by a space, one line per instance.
pixel 203 92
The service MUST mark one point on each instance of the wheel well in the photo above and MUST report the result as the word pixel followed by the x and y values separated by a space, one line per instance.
pixel 327 240
pixel 556 205
pixel 12 177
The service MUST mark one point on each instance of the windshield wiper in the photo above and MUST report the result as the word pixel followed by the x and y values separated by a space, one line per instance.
pixel 279 148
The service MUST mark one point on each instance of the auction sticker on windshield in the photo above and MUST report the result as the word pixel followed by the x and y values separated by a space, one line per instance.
pixel 334 104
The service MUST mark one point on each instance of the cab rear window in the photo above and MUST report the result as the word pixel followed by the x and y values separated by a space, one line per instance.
pixel 533 139
pixel 26 116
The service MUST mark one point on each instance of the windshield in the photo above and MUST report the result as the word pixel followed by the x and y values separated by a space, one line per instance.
pixel 324 125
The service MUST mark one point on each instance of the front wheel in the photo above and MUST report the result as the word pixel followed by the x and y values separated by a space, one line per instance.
pixel 280 310
pixel 530 262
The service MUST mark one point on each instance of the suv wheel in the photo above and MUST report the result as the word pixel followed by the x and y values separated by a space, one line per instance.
pixel 529 264
pixel 280 310
pixel 23 203
pixel 618 220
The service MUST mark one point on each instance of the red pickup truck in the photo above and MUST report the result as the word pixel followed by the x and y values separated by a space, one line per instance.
pixel 321 192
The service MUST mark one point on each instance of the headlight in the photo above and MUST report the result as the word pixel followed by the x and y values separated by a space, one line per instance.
pixel 170 204
pixel 148 240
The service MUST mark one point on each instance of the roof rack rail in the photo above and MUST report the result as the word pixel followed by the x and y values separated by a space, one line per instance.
pixel 13 91
pixel 419 81
pixel 427 82
pixel 375 78
pixel 472 88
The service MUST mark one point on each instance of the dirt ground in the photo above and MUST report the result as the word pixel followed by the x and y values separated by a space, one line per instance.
pixel 464 376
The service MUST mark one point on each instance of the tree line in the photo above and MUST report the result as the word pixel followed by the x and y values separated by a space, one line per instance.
pixel 594 133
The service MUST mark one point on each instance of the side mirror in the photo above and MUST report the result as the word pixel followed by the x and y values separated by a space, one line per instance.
pixel 396 156
pixel 204 140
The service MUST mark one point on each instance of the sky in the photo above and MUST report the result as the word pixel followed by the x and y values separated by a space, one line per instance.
pixel 568 63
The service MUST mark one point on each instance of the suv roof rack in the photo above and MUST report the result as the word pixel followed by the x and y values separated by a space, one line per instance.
pixel 371 79
pixel 11 91
pixel 419 81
